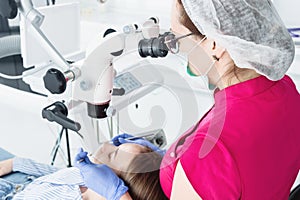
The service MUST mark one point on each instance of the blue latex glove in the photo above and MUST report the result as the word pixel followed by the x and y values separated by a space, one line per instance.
pixel 115 140
pixel 122 139
pixel 100 178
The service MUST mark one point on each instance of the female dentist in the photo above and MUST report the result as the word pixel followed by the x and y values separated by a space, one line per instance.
pixel 247 145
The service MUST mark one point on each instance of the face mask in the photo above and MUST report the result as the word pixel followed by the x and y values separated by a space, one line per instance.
pixel 201 78
pixel 194 54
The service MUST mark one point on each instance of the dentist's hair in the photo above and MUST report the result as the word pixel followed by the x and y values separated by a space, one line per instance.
pixel 142 176
pixel 186 21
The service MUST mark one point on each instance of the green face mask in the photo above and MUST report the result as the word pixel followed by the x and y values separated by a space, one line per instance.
pixel 189 71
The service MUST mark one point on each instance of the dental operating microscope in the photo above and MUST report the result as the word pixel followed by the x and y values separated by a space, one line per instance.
pixel 93 77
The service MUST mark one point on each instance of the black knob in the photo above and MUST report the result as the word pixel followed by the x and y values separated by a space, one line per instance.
pixel 55 81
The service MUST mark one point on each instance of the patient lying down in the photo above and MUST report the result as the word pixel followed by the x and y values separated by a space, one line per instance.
pixel 126 160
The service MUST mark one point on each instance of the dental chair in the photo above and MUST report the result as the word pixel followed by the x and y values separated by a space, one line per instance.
pixel 295 194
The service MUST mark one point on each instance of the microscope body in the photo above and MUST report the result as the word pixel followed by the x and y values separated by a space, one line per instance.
pixel 95 83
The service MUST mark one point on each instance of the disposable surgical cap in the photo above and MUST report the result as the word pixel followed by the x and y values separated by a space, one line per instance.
pixel 250 30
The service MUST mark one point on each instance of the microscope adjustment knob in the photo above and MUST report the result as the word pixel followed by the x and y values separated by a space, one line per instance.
pixel 55 81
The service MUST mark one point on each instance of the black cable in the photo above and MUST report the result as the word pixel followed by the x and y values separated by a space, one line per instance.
pixel 80 135
pixel 57 144
pixel 68 148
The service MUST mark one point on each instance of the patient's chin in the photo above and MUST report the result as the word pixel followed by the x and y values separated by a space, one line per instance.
pixel 95 160
pixel 88 194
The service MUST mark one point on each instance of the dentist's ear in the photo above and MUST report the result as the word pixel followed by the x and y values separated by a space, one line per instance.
pixel 218 51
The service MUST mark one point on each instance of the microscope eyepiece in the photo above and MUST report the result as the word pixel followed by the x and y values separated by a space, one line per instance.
pixel 153 47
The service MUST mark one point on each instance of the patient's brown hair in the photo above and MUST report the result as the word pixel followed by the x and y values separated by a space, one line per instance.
pixel 142 177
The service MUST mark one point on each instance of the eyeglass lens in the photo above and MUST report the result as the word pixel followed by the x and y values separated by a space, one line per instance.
pixel 171 42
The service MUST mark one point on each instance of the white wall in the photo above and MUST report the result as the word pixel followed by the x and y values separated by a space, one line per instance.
pixel 289 12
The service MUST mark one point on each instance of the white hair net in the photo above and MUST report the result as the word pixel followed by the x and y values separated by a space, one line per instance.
pixel 250 30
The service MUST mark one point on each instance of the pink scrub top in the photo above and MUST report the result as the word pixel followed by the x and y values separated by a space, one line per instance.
pixel 246 147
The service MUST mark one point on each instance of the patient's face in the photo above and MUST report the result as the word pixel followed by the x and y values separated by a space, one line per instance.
pixel 117 158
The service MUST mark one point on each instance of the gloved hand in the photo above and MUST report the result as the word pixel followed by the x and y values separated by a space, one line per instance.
pixel 100 178
pixel 122 139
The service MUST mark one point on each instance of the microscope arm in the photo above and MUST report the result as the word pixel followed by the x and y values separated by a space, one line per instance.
pixel 36 19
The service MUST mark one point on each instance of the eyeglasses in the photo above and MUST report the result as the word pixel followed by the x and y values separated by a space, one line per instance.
pixel 172 42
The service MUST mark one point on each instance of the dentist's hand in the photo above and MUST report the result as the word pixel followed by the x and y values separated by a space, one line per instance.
pixel 100 178
pixel 122 139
